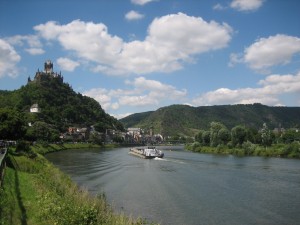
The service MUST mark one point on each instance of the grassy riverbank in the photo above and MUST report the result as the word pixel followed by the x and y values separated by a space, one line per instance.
pixel 43 148
pixel 291 150
pixel 37 193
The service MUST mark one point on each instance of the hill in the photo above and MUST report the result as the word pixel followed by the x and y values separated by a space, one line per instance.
pixel 60 106
pixel 187 120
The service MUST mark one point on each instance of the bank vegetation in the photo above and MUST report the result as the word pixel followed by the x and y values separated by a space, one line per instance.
pixel 245 141
pixel 35 192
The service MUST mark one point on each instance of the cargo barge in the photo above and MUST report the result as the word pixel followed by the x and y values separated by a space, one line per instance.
pixel 147 153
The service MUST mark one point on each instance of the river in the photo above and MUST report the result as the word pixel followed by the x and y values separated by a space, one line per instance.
pixel 186 188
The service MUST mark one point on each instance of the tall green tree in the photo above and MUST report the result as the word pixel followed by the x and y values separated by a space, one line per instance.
pixel 266 136
pixel 218 134
pixel 206 138
pixel 290 136
pixel 198 137
pixel 238 135
pixel 12 125
pixel 224 136
pixel 42 131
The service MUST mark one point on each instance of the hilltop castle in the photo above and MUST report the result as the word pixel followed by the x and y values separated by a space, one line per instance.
pixel 47 73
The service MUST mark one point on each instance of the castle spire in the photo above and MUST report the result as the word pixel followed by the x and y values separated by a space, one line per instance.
pixel 48 67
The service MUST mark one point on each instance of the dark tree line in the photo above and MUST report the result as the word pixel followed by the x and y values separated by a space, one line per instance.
pixel 218 134
pixel 243 140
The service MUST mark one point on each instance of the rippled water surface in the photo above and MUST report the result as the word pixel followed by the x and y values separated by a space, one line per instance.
pixel 190 188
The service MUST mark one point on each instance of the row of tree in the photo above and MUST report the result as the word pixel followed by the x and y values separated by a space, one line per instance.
pixel 219 134
pixel 16 125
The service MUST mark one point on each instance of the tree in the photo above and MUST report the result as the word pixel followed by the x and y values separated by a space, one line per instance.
pixel 266 136
pixel 44 132
pixel 238 135
pixel 290 136
pixel 224 136
pixel 218 134
pixel 206 138
pixel 198 137
pixel 11 124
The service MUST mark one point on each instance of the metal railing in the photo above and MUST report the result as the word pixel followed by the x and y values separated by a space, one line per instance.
pixel 3 153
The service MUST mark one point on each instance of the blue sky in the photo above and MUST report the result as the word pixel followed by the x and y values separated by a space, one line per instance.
pixel 139 55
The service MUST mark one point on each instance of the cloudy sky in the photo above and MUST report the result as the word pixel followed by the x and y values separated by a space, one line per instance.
pixel 140 55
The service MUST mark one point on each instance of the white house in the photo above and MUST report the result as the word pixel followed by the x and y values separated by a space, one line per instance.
pixel 35 108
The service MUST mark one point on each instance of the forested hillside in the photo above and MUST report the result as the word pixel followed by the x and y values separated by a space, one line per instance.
pixel 60 107
pixel 187 120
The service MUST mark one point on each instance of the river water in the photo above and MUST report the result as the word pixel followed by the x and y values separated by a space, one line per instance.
pixel 186 188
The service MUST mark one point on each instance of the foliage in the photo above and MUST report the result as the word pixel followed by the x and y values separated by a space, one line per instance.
pixel 37 193
pixel 246 141
pixel 249 149
pixel 61 107
pixel 218 134
pixel 266 137
pixel 11 124
pixel 238 135
pixel 188 121
pixel 290 136
pixel 22 146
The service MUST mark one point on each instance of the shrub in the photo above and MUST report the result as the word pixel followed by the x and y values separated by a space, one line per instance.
pixel 23 146
pixel 248 147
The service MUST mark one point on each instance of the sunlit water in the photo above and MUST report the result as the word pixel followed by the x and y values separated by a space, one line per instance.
pixel 190 188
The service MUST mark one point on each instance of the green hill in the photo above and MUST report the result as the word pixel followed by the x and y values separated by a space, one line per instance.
pixel 60 106
pixel 187 120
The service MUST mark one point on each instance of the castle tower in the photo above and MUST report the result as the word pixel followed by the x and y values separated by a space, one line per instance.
pixel 48 67
pixel 47 74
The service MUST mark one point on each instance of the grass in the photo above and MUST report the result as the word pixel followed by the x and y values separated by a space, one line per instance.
pixel 291 150
pixel 35 192
pixel 44 148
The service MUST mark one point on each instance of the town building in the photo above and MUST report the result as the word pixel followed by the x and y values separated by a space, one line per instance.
pixel 35 108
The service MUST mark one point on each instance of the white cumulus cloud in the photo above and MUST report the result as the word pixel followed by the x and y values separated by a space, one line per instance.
pixel 8 59
pixel 268 52
pixel 67 64
pixel 269 92
pixel 171 41
pixel 142 2
pixel 133 15
pixel 219 7
pixel 35 51
pixel 32 43
pixel 140 92
pixel 246 5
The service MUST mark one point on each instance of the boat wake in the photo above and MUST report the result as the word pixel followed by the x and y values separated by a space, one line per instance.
pixel 169 160
pixel 160 159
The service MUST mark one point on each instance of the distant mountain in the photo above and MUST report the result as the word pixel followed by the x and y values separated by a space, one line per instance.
pixel 187 120
pixel 60 106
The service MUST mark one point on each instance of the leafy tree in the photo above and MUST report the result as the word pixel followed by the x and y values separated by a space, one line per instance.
pixel 198 137
pixel 252 135
pixel 60 107
pixel 224 136
pixel 238 135
pixel 218 134
pixel 23 146
pixel 44 132
pixel 11 124
pixel 290 136
pixel 118 139
pixel 206 138
pixel 96 137
pixel 266 137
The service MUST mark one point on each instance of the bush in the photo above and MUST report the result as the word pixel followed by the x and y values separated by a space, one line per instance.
pixel 293 150
pixel 248 147
pixel 23 146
